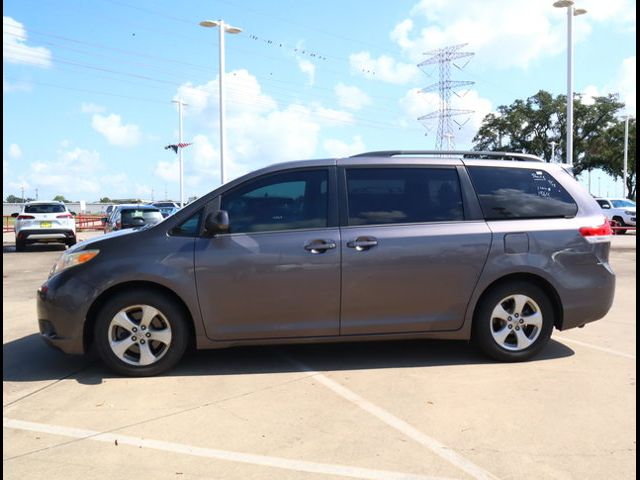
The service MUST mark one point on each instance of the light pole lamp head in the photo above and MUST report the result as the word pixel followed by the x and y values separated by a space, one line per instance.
pixel 563 3
pixel 579 11
pixel 216 23
pixel 209 23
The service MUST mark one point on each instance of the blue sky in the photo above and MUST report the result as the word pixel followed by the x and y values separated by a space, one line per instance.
pixel 88 86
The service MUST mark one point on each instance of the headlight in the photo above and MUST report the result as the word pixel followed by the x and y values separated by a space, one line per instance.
pixel 68 260
pixel 627 212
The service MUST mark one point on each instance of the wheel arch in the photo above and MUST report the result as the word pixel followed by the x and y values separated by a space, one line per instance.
pixel 534 279
pixel 99 302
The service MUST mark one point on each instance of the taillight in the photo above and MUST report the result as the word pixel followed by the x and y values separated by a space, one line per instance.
pixel 26 217
pixel 597 233
pixel 64 215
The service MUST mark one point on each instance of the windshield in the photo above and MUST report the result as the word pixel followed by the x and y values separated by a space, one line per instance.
pixel 45 208
pixel 623 203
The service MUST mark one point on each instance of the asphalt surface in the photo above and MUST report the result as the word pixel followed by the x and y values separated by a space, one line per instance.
pixel 419 409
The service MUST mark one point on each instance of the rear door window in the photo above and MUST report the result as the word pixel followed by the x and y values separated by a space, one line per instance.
pixel 507 193
pixel 403 195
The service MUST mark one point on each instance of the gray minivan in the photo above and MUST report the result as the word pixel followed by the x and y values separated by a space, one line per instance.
pixel 493 247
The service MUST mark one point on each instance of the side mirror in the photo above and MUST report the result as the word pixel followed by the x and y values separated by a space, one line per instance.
pixel 15 215
pixel 606 206
pixel 217 222
pixel 73 213
pixel 104 219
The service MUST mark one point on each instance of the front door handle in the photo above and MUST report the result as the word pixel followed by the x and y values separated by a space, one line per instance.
pixel 363 243
pixel 320 246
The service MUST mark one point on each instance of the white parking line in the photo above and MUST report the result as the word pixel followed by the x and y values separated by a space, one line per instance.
pixel 262 460
pixel 595 347
pixel 432 444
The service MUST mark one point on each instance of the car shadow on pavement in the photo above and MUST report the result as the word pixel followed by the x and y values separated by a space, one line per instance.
pixel 28 359
pixel 57 247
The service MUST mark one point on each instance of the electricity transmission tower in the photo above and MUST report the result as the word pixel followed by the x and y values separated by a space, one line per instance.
pixel 444 58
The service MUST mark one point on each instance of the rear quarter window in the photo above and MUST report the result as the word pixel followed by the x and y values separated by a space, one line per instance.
pixel 507 193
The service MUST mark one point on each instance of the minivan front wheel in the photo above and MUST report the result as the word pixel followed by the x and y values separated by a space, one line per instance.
pixel 140 333
pixel 514 322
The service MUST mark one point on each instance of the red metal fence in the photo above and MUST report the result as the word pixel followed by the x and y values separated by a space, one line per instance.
pixel 83 223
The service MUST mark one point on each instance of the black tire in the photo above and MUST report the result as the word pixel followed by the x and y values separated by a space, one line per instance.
pixel 71 242
pixel 20 246
pixel 618 222
pixel 484 326
pixel 170 313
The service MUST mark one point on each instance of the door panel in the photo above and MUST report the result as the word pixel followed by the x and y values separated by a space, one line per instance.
pixel 277 273
pixel 416 278
pixel 269 285
pixel 410 261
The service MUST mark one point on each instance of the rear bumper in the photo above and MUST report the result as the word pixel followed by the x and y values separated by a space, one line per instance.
pixel 592 301
pixel 45 235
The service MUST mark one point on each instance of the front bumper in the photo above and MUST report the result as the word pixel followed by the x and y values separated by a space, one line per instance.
pixel 62 305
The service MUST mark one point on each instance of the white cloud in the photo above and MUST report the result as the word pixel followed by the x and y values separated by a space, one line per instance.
pixel 8 87
pixel 15 49
pixel 626 84
pixel 114 131
pixel 308 68
pixel 503 34
pixel 15 151
pixel 623 84
pixel 243 94
pixel 68 173
pixel 383 68
pixel 351 97
pixel 339 149
pixel 416 104
pixel 259 132
pixel 91 108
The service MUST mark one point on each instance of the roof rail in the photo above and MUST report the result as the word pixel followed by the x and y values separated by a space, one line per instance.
pixel 444 153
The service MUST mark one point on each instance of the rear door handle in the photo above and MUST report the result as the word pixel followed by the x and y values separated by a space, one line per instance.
pixel 320 246
pixel 363 243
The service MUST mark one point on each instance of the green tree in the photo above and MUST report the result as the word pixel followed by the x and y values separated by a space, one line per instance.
pixel 60 198
pixel 607 152
pixel 532 125
pixel 105 200
pixel 14 199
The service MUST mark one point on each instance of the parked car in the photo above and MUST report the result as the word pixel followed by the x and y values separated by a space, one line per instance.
pixel 490 247
pixel 167 204
pixel 130 216
pixel 46 222
pixel 621 211
pixel 167 211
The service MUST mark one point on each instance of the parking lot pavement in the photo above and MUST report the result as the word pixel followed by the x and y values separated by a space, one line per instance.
pixel 377 410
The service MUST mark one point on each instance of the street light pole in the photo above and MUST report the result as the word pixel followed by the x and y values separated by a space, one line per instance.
pixel 571 12
pixel 224 27
pixel 553 151
pixel 180 105
pixel 626 156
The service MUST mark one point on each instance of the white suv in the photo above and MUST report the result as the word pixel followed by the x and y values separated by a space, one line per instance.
pixel 45 221
pixel 620 211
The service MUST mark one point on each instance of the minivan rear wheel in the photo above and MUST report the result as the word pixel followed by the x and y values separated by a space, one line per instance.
pixel 514 321
pixel 141 333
